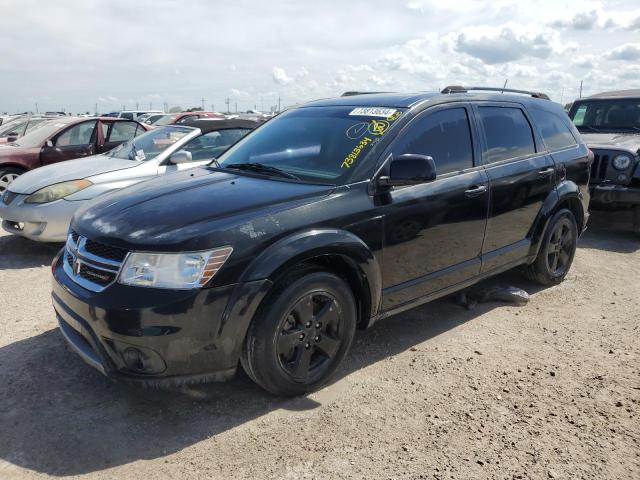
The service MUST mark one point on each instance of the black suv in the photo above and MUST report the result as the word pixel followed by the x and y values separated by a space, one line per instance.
pixel 610 125
pixel 325 219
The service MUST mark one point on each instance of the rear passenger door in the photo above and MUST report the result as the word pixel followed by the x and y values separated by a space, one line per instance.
pixel 521 176
pixel 115 133
pixel 433 232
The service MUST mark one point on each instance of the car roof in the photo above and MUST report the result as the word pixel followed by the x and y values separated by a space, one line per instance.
pixel 207 125
pixel 633 93
pixel 408 100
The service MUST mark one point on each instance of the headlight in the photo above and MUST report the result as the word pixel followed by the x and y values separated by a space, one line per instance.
pixel 57 191
pixel 173 270
pixel 622 162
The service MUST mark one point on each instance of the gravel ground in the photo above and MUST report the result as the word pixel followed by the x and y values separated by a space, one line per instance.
pixel 546 390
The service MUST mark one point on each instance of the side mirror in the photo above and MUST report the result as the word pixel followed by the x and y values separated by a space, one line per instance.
pixel 181 156
pixel 49 143
pixel 12 139
pixel 409 169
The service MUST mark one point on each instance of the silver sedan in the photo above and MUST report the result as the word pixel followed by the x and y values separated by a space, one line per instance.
pixel 39 205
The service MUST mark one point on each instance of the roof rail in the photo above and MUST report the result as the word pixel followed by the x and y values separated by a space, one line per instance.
pixel 460 89
pixel 352 93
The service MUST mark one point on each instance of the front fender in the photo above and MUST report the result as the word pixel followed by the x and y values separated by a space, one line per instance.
pixel 308 244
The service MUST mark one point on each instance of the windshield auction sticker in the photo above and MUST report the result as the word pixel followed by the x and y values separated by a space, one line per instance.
pixel 368 133
pixel 373 112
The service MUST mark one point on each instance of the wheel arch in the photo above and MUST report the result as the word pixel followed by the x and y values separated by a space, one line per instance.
pixel 338 251
pixel 566 195
pixel 13 164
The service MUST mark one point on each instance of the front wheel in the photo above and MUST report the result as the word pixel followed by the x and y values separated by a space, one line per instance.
pixel 303 333
pixel 556 251
pixel 8 175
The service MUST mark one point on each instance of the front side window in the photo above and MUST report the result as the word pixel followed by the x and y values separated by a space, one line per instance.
pixel 316 144
pixel 554 130
pixel 612 115
pixel 122 131
pixel 80 134
pixel 445 136
pixel 507 132
pixel 150 144
pixel 212 144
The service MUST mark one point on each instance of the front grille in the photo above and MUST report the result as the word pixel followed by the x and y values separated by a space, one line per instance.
pixel 8 197
pixel 90 264
pixel 105 251
pixel 599 167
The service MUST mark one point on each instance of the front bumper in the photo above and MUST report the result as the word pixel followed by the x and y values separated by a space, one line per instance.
pixel 608 194
pixel 47 222
pixel 156 336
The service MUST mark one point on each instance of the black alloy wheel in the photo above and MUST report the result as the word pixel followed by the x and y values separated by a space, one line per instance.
pixel 557 250
pixel 301 333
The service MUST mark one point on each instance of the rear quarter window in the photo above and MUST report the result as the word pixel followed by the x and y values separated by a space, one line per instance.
pixel 554 130
pixel 507 132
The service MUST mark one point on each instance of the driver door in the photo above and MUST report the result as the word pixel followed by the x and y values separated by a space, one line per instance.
pixel 76 141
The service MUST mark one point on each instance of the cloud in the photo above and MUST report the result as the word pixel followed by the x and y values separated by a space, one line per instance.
pixel 627 52
pixel 280 76
pixel 581 21
pixel 500 45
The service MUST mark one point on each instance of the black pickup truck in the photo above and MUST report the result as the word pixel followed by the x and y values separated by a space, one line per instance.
pixel 610 125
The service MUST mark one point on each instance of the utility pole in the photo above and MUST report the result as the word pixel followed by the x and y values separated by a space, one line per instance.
pixel 36 107
pixel 562 96
pixel 236 107
pixel 166 107
pixel 213 107
pixel 96 109
pixel 227 101
pixel 278 104
pixel 150 106
pixel 580 89
pixel 202 100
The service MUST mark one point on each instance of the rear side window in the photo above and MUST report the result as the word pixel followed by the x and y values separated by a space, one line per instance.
pixel 507 132
pixel 554 130
pixel 122 131
pixel 443 135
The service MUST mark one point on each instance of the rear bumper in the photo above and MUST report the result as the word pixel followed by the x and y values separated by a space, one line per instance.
pixel 607 194
pixel 47 222
pixel 156 336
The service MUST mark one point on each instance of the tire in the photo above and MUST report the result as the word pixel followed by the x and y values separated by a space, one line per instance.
pixel 301 334
pixel 557 250
pixel 7 175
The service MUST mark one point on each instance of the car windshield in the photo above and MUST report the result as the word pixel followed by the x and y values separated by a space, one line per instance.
pixel 166 120
pixel 151 144
pixel 37 136
pixel 315 144
pixel 607 115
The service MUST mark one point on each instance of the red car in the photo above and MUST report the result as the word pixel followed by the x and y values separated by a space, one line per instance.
pixel 180 118
pixel 64 138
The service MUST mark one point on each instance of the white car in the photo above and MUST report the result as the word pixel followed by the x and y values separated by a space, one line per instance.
pixel 39 204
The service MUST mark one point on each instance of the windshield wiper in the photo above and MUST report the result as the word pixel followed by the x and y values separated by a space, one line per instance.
pixel 589 128
pixel 262 168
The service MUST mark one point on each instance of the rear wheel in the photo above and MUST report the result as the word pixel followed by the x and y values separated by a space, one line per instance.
pixel 297 341
pixel 8 175
pixel 557 250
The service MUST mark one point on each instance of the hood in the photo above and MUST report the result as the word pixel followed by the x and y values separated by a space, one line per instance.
pixel 191 210
pixel 42 177
pixel 625 141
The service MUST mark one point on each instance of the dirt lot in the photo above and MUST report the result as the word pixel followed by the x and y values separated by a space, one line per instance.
pixel 547 390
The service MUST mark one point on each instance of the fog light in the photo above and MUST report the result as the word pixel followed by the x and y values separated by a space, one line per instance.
pixel 143 361
pixel 622 178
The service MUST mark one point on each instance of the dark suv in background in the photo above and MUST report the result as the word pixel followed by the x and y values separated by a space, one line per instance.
pixel 325 219
pixel 610 125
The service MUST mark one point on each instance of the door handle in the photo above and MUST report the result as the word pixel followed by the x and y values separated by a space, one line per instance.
pixel 475 191
pixel 545 172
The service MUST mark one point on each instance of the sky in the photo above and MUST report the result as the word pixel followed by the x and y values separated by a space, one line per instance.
pixel 76 54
